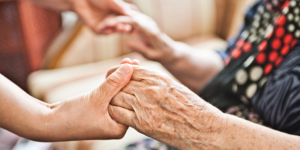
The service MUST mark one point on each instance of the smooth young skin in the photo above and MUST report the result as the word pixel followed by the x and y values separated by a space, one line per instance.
pixel 163 109
pixel 80 118
pixel 177 57
pixel 92 12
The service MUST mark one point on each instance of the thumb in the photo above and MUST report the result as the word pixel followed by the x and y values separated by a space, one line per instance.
pixel 115 82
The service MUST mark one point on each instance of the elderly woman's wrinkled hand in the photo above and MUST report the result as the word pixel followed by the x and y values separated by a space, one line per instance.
pixel 162 108
pixel 152 42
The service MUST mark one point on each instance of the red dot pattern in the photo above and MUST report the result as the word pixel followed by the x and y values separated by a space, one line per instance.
pixel 294 42
pixel 240 43
pixel 268 69
pixel 261 58
pixel 286 4
pixel 285 50
pixel 281 20
pixel 236 53
pixel 278 62
pixel 247 47
pixel 273 56
pixel 280 32
pixel 262 46
pixel 288 39
pixel 276 43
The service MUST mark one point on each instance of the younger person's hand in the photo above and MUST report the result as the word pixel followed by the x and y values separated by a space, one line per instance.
pixel 86 116
pixel 92 12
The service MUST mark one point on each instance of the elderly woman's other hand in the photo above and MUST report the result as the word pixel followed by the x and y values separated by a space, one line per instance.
pixel 163 109
pixel 190 66
pixel 152 44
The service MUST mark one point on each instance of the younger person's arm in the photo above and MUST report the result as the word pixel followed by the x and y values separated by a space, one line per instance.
pixel 80 118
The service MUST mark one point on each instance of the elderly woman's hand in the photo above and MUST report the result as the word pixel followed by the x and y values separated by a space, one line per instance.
pixel 152 44
pixel 161 108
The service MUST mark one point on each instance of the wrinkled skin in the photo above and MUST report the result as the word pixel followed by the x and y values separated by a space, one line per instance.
pixel 161 108
pixel 154 44
pixel 165 110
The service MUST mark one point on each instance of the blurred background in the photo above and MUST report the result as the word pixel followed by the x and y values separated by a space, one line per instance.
pixel 53 56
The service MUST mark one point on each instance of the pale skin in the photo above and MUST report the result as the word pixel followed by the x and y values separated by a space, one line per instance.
pixel 165 110
pixel 91 12
pixel 79 118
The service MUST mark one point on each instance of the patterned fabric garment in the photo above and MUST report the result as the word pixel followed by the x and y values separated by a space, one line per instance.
pixel 263 67
pixel 273 33
pixel 273 46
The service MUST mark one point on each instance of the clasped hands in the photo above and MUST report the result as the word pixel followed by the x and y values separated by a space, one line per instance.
pixel 152 103
pixel 160 107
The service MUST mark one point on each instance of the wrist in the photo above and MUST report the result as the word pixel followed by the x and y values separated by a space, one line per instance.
pixel 208 124
pixel 172 51
pixel 212 134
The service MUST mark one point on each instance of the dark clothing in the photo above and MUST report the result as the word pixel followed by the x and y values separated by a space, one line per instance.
pixel 278 102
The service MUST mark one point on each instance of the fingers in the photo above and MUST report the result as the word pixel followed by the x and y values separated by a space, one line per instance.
pixel 118 23
pixel 124 61
pixel 115 82
pixel 122 115
pixel 135 62
pixel 129 61
pixel 123 100
pixel 124 28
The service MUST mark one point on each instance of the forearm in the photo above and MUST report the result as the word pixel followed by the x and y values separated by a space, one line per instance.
pixel 254 136
pixel 235 133
pixel 59 5
pixel 193 67
pixel 30 118
pixel 21 113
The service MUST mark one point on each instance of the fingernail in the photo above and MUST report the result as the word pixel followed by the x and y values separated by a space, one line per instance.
pixel 125 69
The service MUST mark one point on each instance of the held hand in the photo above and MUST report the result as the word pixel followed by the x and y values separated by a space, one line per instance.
pixel 124 61
pixel 92 12
pixel 159 107
pixel 153 43
pixel 87 117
